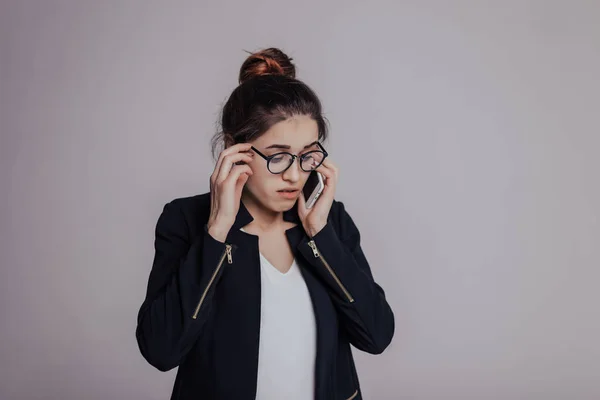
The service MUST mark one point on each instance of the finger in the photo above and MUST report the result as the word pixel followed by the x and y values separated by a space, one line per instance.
pixel 243 148
pixel 330 184
pixel 328 173
pixel 301 207
pixel 229 162
pixel 231 159
pixel 331 165
pixel 236 148
pixel 329 162
pixel 241 181
pixel 235 173
pixel 301 200
pixel 236 182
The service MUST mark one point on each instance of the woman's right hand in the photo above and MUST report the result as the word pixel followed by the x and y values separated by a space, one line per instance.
pixel 226 184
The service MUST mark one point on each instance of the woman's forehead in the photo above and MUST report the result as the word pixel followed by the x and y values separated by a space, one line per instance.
pixel 294 133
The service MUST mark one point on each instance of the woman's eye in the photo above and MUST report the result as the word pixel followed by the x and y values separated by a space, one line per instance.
pixel 277 159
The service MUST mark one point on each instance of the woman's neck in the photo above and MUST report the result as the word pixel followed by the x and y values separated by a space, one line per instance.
pixel 263 219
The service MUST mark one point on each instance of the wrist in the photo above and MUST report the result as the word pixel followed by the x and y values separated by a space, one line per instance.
pixel 313 230
pixel 218 231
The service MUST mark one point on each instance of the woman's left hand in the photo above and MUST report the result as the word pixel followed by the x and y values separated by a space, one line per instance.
pixel 315 218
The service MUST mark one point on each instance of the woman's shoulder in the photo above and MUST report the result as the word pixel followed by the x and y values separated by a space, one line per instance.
pixel 197 201
pixel 194 209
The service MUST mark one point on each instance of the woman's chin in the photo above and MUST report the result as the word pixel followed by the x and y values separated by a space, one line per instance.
pixel 281 205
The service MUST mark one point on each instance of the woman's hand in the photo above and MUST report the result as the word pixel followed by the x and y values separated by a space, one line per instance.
pixel 315 218
pixel 226 184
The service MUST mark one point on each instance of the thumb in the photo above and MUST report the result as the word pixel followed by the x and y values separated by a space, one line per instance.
pixel 301 206
pixel 241 181
pixel 244 176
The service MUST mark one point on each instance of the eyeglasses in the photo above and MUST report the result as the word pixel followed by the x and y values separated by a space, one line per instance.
pixel 280 162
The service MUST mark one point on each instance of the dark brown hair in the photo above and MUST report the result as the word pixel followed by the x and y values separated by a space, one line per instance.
pixel 268 93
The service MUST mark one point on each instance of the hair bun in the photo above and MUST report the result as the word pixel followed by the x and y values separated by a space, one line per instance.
pixel 271 61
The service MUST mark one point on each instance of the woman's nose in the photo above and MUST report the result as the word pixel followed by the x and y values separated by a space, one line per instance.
pixel 293 172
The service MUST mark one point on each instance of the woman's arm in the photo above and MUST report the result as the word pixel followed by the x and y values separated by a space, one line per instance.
pixel 180 289
pixel 338 258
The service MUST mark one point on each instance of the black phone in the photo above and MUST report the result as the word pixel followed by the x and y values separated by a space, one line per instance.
pixel 313 188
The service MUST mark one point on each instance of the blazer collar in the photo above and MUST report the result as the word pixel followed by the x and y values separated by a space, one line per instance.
pixel 244 217
pixel 296 235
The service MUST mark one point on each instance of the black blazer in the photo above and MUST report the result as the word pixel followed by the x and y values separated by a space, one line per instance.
pixel 202 307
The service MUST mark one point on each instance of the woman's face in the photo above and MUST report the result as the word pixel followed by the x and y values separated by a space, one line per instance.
pixel 296 135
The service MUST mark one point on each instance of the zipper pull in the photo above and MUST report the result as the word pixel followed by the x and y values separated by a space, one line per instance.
pixel 313 246
pixel 229 257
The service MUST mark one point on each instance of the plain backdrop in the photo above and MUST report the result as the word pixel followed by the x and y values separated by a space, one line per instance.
pixel 467 134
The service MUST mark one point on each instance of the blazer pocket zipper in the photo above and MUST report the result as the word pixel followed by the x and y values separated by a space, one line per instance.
pixel 226 253
pixel 318 255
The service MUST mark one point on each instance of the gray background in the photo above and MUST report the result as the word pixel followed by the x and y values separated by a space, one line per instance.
pixel 467 134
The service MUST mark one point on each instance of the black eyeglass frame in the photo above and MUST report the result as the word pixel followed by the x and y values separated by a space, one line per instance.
pixel 294 156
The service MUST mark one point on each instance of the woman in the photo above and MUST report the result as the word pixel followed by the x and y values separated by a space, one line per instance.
pixel 251 294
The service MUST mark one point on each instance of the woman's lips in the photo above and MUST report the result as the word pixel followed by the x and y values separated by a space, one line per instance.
pixel 292 194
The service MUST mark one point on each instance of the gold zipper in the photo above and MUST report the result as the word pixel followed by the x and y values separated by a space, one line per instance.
pixel 318 255
pixel 353 396
pixel 227 254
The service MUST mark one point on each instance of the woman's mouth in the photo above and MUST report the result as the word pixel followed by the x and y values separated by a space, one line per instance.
pixel 288 193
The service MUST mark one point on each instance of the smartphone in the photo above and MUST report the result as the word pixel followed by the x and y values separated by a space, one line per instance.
pixel 313 188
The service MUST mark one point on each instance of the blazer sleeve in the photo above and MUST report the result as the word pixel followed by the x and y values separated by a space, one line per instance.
pixel 180 289
pixel 361 304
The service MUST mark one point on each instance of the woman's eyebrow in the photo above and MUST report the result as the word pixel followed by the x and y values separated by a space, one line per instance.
pixel 287 147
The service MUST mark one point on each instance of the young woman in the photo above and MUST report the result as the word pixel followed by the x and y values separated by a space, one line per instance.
pixel 251 294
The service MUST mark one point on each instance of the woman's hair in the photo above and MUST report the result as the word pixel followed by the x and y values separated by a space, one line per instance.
pixel 268 93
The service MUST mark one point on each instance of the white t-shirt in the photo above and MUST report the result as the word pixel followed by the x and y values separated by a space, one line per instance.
pixel 287 345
